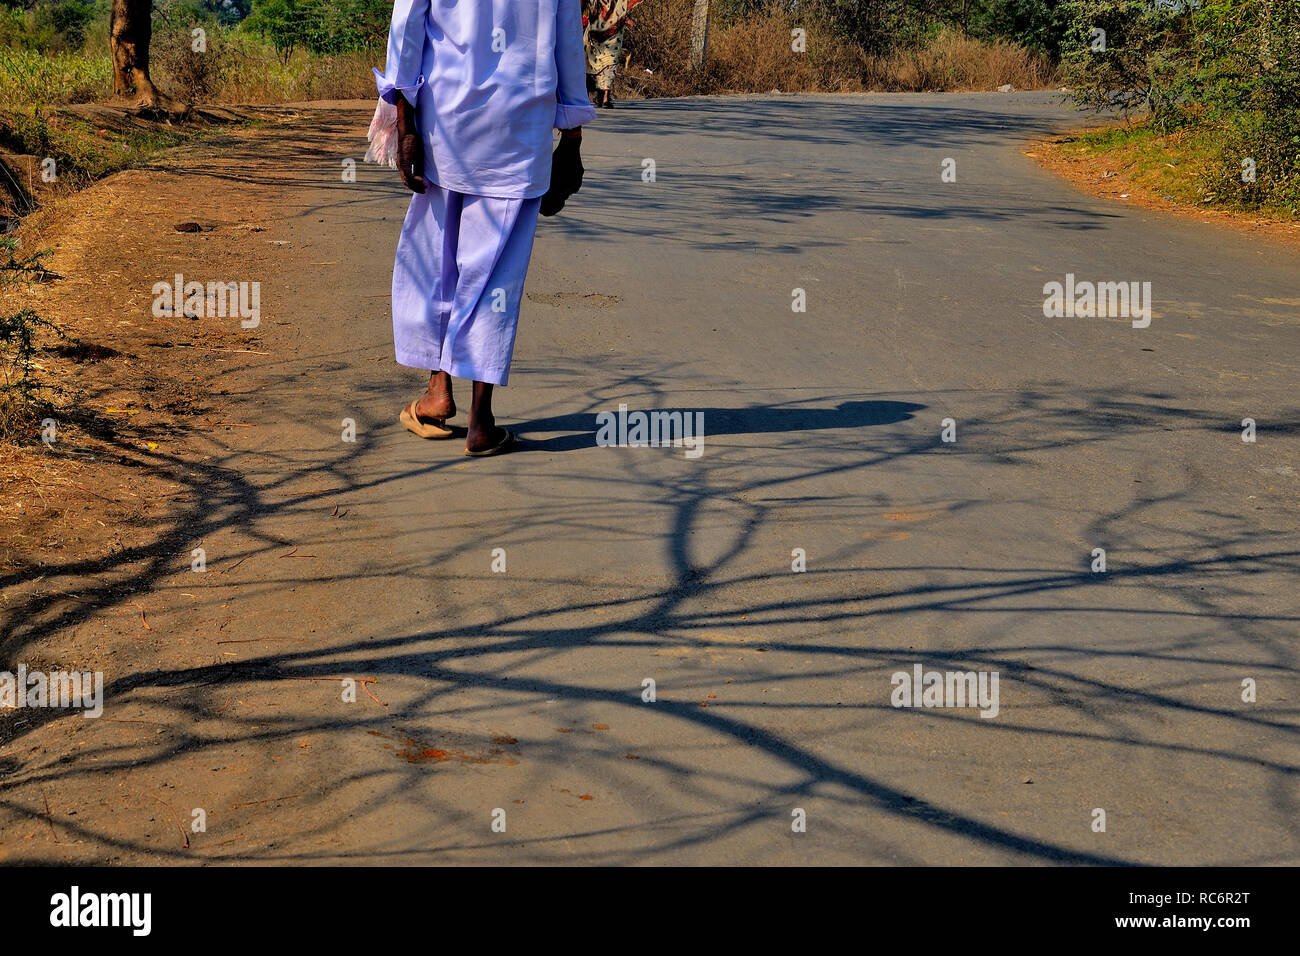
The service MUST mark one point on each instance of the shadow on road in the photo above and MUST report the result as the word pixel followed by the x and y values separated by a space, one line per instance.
pixel 761 420
pixel 1207 586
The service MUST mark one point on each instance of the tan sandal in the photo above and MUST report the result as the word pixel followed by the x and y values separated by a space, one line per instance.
pixel 414 425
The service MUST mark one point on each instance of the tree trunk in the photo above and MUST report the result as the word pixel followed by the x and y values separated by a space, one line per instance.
pixel 129 31
pixel 699 34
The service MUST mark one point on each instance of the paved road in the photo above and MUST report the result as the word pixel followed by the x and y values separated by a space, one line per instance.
pixel 522 691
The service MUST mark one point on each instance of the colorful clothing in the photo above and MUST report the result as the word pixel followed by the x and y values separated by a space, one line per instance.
pixel 602 59
pixel 603 23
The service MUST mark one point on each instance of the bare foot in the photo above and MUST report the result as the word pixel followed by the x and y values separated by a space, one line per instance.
pixel 484 435
pixel 437 401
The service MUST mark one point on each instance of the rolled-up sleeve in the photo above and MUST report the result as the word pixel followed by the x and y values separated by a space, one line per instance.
pixel 404 71
pixel 572 107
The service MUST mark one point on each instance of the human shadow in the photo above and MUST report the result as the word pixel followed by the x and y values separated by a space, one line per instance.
pixel 754 420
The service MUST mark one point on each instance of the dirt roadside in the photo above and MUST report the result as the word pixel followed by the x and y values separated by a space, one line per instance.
pixel 1101 176
pixel 140 405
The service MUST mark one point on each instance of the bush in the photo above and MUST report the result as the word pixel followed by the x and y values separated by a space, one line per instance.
pixel 1038 25
pixel 953 63
pixel 66 23
pixel 750 51
pixel 19 330
pixel 188 74
pixel 1125 54
pixel 1244 77
pixel 259 75
pixel 1231 66
pixel 322 27
pixel 875 27
pixel 51 26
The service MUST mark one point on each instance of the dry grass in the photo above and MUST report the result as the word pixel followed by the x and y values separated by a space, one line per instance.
pixel 30 481
pixel 257 76
pixel 749 56
pixel 956 64
pixel 756 55
pixel 19 423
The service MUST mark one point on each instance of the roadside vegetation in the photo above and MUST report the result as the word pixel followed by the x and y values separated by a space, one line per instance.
pixel 1221 76
pixel 20 331
pixel 1212 93
pixel 56 52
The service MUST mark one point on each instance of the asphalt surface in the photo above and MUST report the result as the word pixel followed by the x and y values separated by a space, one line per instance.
pixel 522 691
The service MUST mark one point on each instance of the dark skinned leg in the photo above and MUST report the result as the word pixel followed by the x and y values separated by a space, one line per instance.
pixel 437 402
pixel 483 430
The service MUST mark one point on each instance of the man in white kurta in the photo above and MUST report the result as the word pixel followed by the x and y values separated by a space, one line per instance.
pixel 479 85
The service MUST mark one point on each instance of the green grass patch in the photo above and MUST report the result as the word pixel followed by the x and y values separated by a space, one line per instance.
pixel 1188 165
pixel 29 79
pixel 83 153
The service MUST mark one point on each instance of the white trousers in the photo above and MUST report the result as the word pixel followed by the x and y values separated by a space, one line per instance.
pixel 458 282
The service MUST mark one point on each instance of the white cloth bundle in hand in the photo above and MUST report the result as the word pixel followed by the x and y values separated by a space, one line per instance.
pixel 383 136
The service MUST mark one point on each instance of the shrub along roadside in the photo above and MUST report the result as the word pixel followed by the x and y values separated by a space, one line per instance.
pixel 1226 73
pixel 19 334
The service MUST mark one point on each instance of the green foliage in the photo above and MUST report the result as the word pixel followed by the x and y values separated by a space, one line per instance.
pixel 1036 24
pixel 227 12
pixel 323 27
pixel 49 26
pixel 28 77
pixel 1232 66
pixel 1124 54
pixel 1244 77
pixel 66 21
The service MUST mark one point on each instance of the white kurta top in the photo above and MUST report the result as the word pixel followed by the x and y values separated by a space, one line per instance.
pixel 489 80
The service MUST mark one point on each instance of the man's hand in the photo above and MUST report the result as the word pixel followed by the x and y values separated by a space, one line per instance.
pixel 410 148
pixel 566 173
